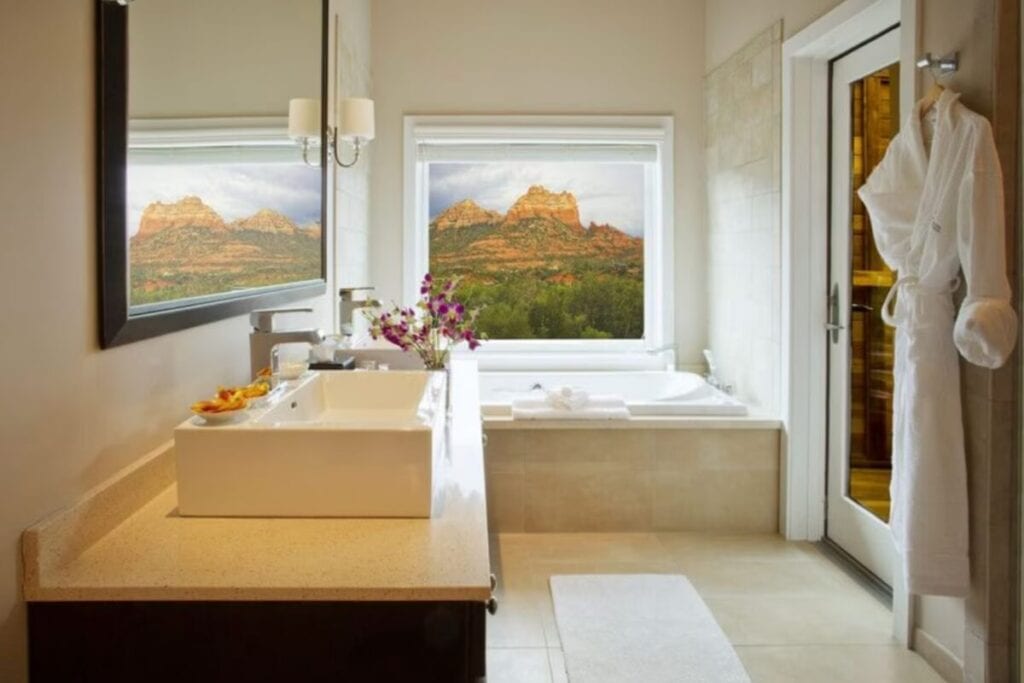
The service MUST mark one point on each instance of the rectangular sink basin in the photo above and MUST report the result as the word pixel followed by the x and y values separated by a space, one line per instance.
pixel 333 444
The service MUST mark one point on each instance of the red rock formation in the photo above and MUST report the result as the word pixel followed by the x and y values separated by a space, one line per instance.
pixel 266 220
pixel 613 238
pixel 312 230
pixel 188 212
pixel 541 230
pixel 464 214
pixel 539 202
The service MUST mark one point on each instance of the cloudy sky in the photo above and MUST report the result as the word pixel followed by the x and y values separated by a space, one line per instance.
pixel 232 190
pixel 606 192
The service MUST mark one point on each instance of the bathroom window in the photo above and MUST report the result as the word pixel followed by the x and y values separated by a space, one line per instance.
pixel 556 229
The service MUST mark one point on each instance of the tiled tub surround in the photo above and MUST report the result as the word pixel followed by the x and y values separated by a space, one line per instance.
pixel 700 474
pixel 743 143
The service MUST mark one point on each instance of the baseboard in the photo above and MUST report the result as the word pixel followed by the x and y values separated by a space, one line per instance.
pixel 938 657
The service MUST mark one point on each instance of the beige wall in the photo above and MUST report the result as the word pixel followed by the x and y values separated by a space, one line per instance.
pixel 70 414
pixel 731 24
pixel 543 57
pixel 222 57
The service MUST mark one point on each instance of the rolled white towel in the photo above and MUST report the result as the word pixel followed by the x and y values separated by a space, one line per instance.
pixel 598 407
pixel 567 398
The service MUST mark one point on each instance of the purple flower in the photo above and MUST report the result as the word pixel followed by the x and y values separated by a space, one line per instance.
pixel 436 320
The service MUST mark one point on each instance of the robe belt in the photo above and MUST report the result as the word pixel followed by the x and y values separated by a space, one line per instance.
pixel 891 313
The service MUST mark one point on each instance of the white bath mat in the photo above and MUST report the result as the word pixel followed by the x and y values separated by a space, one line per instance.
pixel 649 628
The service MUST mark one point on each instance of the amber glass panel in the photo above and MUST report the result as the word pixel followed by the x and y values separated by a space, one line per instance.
pixel 875 121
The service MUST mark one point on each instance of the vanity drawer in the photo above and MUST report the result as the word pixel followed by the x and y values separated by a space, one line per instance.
pixel 111 642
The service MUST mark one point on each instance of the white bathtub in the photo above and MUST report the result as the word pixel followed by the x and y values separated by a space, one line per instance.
pixel 647 393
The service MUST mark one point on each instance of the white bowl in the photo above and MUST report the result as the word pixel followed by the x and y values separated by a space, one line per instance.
pixel 226 417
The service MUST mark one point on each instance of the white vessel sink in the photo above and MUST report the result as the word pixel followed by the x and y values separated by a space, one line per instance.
pixel 334 444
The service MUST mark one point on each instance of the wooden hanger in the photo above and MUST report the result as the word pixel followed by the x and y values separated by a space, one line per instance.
pixel 937 66
pixel 931 97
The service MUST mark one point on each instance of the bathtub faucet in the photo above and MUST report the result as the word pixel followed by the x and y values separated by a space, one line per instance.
pixel 711 377
pixel 665 352
pixel 660 349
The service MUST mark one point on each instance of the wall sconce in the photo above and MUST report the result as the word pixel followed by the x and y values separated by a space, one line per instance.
pixel 356 125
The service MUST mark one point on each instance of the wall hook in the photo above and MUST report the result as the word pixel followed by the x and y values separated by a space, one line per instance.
pixel 939 66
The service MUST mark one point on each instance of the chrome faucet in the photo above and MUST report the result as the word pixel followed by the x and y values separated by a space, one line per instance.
pixel 711 377
pixel 264 338
pixel 348 307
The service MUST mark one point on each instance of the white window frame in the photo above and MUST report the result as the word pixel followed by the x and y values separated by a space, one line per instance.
pixel 655 348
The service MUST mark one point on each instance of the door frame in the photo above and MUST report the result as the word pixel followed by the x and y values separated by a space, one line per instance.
pixel 859 532
pixel 805 217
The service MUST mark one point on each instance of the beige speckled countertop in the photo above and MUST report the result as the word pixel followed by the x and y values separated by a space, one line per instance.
pixel 125 541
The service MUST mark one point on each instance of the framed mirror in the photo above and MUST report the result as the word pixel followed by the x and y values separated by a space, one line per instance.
pixel 207 208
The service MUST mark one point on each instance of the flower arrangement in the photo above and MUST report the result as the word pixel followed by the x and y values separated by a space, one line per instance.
pixel 432 327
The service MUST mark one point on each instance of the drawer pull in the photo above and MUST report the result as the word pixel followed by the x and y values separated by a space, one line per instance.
pixel 492 605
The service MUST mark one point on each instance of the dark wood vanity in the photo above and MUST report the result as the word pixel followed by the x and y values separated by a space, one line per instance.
pixel 440 641
pixel 120 587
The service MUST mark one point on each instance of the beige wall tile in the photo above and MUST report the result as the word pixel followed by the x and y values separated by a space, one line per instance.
pixel 611 449
pixel 742 450
pixel 716 500
pixel 743 135
pixel 586 497
pixel 505 449
pixel 505 501
pixel 633 480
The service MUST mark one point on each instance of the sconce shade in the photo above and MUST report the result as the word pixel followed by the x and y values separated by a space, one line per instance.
pixel 303 118
pixel 356 119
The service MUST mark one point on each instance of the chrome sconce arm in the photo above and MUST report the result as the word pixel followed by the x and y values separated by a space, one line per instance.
pixel 332 148
pixel 307 146
pixel 357 125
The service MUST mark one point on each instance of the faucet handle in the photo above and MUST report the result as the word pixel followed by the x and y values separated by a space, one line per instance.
pixel 263 320
pixel 346 292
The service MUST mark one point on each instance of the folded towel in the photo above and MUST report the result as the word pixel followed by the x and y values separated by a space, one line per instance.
pixel 567 398
pixel 595 401
pixel 598 407
pixel 555 414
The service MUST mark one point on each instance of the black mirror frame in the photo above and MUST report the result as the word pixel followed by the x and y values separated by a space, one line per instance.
pixel 116 327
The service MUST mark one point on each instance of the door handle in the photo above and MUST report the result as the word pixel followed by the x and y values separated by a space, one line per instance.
pixel 862 308
pixel 834 326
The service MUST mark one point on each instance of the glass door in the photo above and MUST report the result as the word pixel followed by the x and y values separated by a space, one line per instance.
pixel 865 118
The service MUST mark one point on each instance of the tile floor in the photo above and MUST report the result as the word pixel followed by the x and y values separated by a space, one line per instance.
pixel 791 614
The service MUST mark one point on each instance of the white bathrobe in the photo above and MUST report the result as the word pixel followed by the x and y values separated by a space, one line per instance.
pixel 933 213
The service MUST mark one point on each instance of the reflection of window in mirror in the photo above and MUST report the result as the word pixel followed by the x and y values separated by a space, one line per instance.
pixel 219 201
